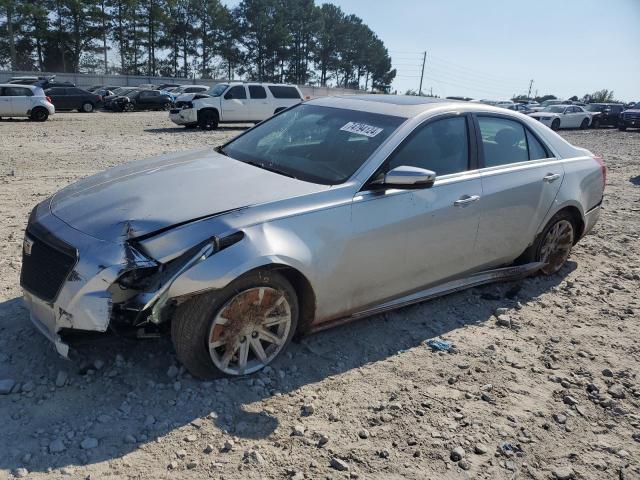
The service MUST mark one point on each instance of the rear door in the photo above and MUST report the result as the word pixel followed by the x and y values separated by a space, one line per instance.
pixel 259 105
pixel 58 97
pixel 235 106
pixel 520 180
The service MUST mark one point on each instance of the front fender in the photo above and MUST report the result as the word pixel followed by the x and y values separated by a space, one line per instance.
pixel 262 246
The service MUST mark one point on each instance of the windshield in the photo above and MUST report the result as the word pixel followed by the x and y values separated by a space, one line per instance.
pixel 218 90
pixel 553 109
pixel 316 144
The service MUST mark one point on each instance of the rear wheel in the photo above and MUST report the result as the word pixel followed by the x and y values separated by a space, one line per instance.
pixel 87 107
pixel 39 114
pixel 237 330
pixel 208 120
pixel 585 124
pixel 553 246
pixel 555 125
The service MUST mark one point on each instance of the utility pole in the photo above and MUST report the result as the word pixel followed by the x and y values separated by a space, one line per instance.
pixel 424 59
pixel 530 85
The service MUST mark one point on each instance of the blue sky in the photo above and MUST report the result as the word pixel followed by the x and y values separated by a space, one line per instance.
pixel 493 48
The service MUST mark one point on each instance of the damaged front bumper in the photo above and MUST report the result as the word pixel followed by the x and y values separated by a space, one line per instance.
pixel 77 299
pixel 184 116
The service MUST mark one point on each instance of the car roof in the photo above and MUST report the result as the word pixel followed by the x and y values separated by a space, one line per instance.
pixel 32 87
pixel 406 106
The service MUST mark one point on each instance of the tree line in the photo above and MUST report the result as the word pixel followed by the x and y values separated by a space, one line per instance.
pixel 293 41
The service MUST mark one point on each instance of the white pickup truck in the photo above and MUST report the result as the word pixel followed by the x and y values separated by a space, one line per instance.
pixel 234 102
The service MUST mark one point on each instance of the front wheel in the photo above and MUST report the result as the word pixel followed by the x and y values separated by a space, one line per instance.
pixel 166 106
pixel 585 124
pixel 128 107
pixel 237 330
pixel 555 125
pixel 87 107
pixel 208 120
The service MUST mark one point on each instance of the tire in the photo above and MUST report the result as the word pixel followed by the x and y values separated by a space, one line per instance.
pixel 128 107
pixel 198 326
pixel 585 124
pixel 191 125
pixel 87 107
pixel 555 125
pixel 166 106
pixel 543 251
pixel 39 114
pixel 622 128
pixel 595 123
pixel 208 120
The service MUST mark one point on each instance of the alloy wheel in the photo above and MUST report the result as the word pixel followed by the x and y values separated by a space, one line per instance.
pixel 556 246
pixel 249 330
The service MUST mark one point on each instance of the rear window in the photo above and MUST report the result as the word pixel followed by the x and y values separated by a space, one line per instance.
pixel 17 92
pixel 503 141
pixel 257 91
pixel 284 92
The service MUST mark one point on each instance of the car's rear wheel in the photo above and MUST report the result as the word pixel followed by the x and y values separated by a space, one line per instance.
pixel 553 246
pixel 39 114
pixel 87 107
pixel 208 120
pixel 128 107
pixel 585 124
pixel 555 125
pixel 237 330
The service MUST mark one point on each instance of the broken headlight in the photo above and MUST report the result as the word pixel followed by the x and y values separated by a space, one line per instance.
pixel 138 278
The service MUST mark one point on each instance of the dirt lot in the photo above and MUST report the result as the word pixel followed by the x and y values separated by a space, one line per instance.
pixel 555 395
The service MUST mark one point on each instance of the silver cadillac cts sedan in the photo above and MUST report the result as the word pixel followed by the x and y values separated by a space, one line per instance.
pixel 334 209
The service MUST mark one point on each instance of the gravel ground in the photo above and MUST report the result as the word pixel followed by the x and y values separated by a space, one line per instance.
pixel 553 395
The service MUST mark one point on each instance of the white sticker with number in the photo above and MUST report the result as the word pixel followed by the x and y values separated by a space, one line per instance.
pixel 362 129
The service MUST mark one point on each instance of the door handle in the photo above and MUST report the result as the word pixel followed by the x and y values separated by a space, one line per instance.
pixel 551 177
pixel 465 200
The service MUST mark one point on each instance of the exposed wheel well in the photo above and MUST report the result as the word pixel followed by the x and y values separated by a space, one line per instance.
pixel 304 291
pixel 577 218
pixel 209 109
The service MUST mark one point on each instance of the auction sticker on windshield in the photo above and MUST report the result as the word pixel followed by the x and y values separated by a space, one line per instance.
pixel 362 129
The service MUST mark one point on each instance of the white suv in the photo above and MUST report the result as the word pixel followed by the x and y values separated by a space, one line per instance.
pixel 235 102
pixel 25 101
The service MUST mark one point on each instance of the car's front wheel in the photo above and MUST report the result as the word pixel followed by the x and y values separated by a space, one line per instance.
pixel 87 107
pixel 585 124
pixel 555 125
pixel 237 330
pixel 128 107
pixel 208 120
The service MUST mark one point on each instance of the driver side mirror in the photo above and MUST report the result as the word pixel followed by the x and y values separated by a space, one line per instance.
pixel 406 177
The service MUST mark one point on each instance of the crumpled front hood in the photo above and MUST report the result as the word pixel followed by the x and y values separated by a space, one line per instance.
pixel 142 197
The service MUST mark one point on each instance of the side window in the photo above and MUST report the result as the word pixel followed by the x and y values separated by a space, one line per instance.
pixel 279 91
pixel 236 92
pixel 503 141
pixel 441 146
pixel 17 92
pixel 536 150
pixel 257 92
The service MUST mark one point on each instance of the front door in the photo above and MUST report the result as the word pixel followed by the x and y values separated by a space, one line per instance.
pixel 519 184
pixel 235 106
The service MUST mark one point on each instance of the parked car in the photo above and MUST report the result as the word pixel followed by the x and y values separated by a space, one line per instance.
pixel 605 113
pixel 74 98
pixel 18 100
pixel 167 86
pixel 176 92
pixel 521 107
pixel 236 102
pixel 464 99
pixel 100 88
pixel 630 118
pixel 549 103
pixel 335 209
pixel 142 99
pixel 563 116
pixel 118 92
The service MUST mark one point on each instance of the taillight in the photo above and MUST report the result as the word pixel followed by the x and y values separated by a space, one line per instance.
pixel 603 167
pixel 48 99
